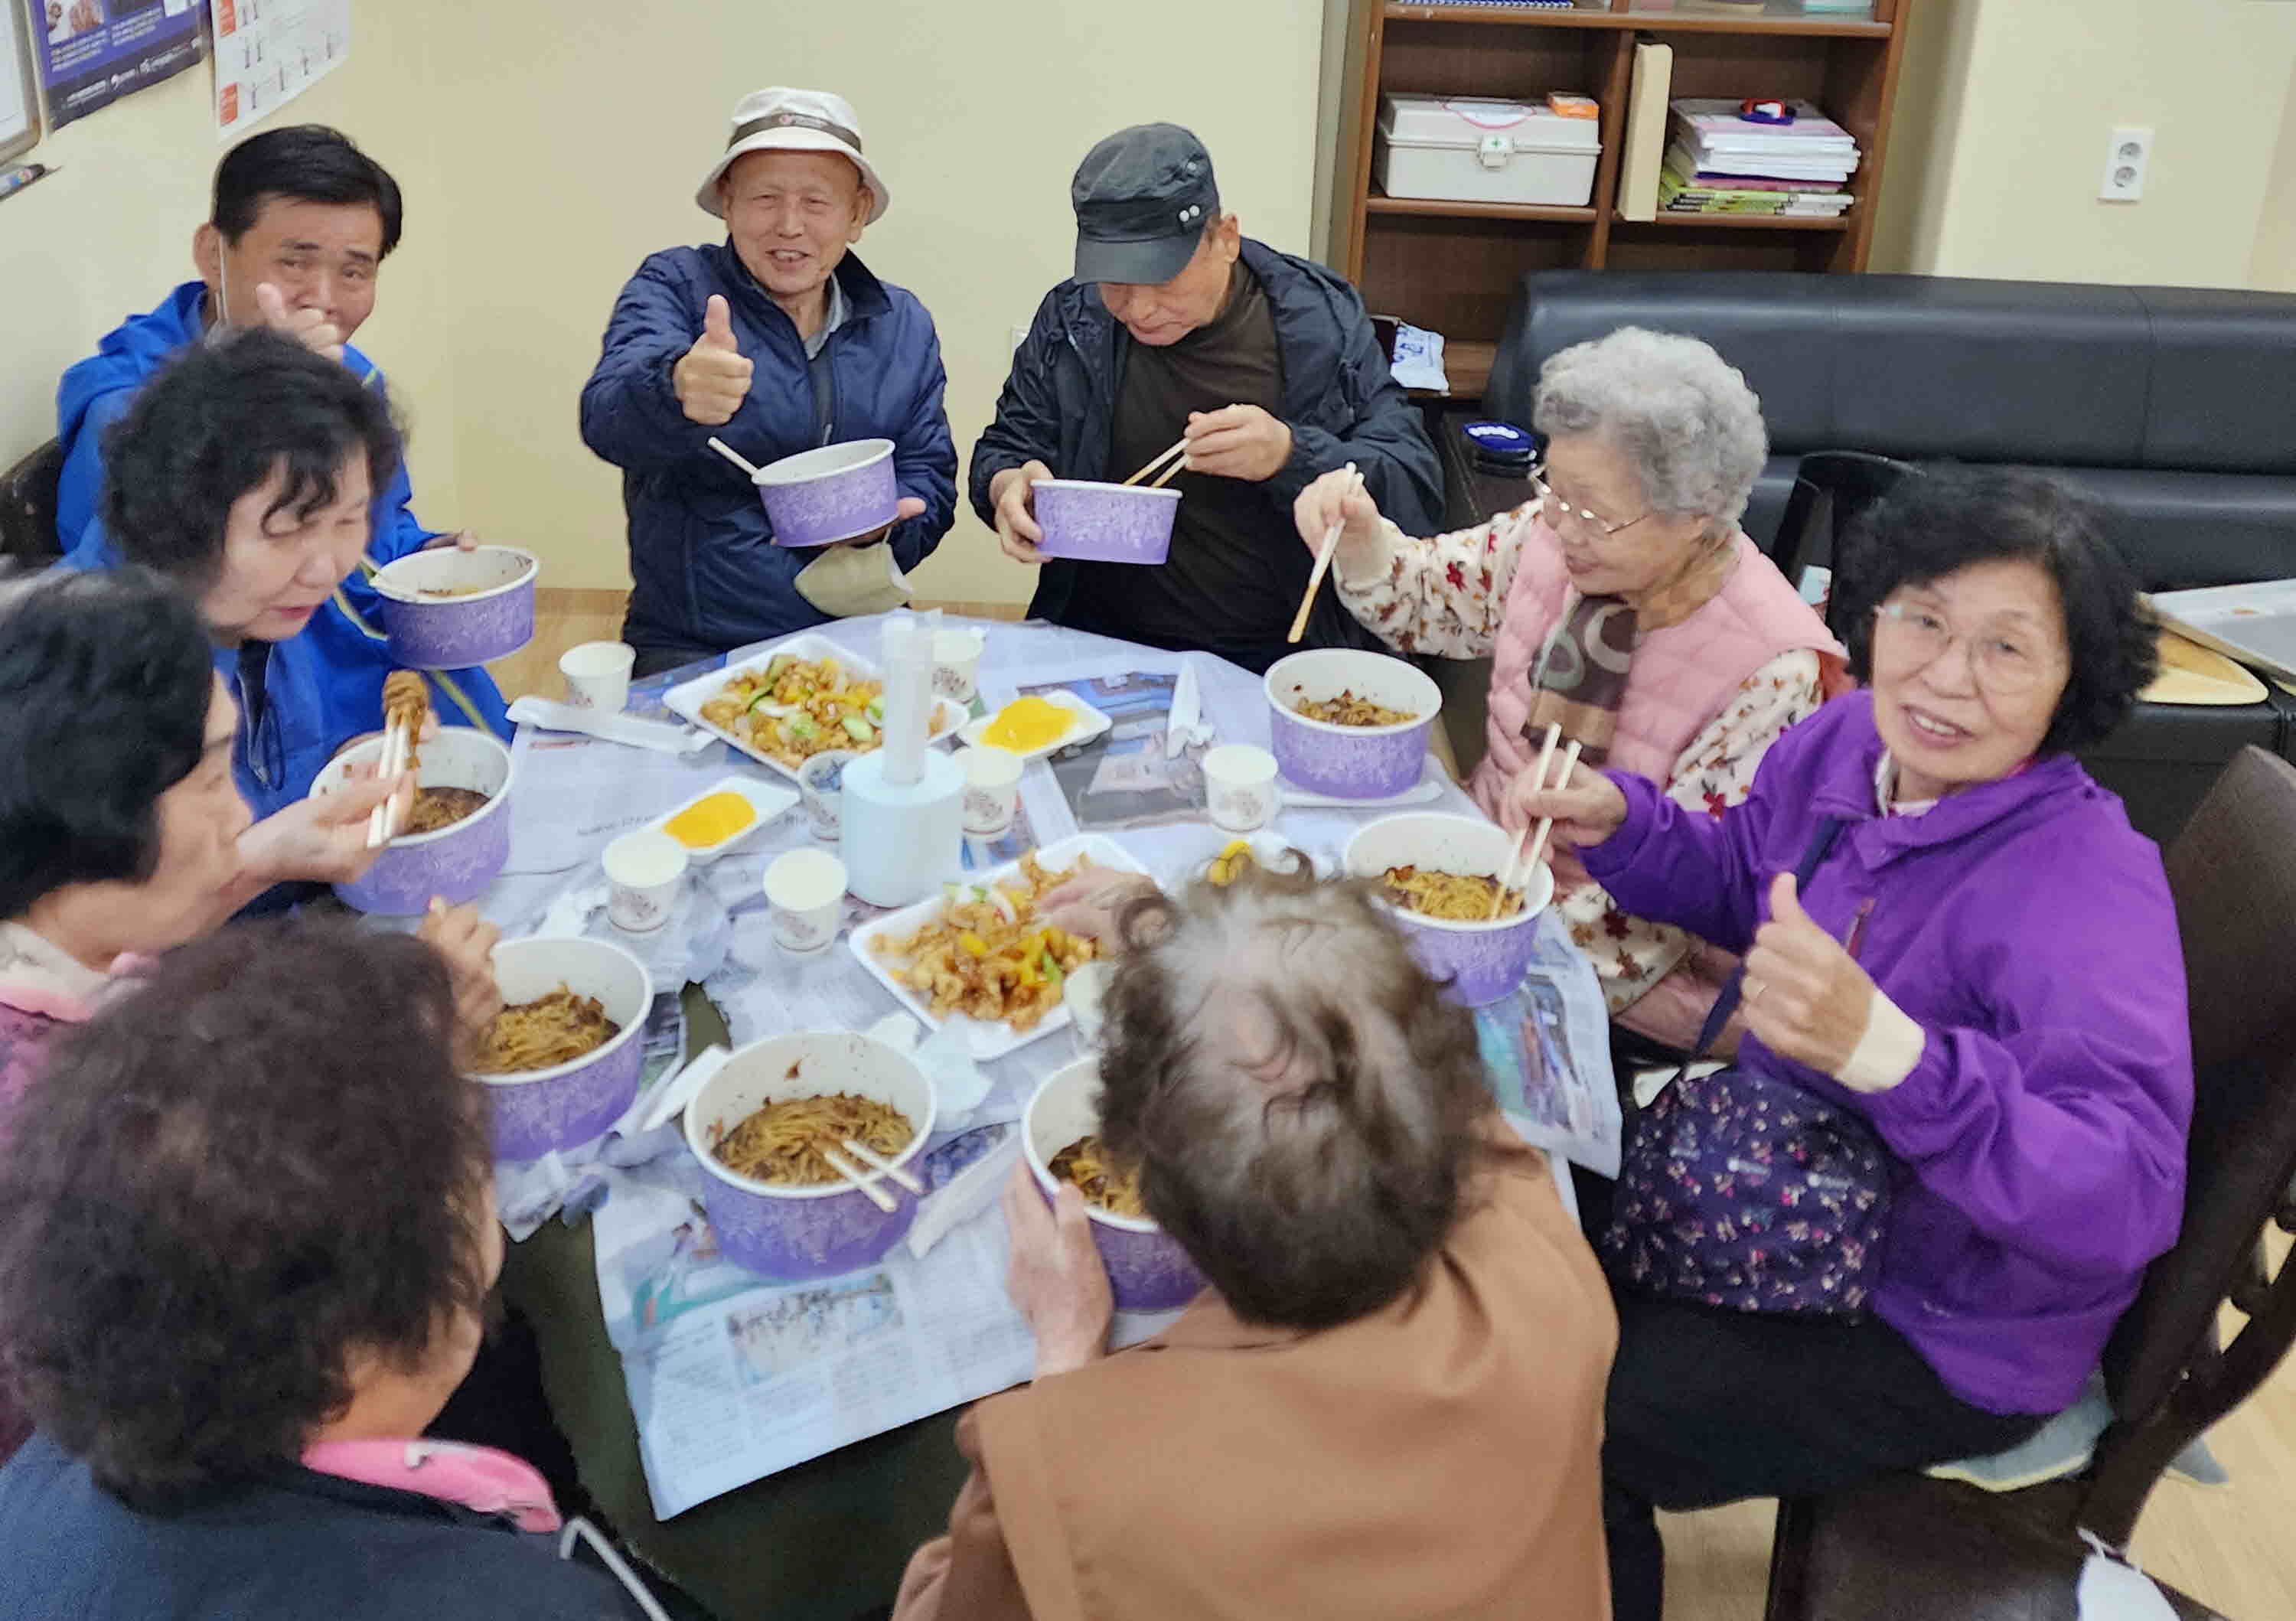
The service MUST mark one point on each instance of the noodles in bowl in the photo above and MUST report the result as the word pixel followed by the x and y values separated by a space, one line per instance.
pixel 1085 1165
pixel 782 1143
pixel 441 808
pixel 554 1029
pixel 1452 897
pixel 1349 710
pixel 761 1127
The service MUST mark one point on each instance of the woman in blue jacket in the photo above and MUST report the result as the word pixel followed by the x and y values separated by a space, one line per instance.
pixel 244 472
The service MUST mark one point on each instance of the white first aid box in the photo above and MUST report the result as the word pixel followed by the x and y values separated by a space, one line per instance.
pixel 1464 149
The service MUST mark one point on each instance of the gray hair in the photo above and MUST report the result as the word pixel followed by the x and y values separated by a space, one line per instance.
pixel 1683 415
pixel 1303 1105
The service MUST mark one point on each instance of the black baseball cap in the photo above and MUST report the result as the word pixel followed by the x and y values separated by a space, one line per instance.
pixel 1143 198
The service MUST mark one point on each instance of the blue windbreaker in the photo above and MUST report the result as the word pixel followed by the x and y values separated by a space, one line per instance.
pixel 348 656
pixel 707 573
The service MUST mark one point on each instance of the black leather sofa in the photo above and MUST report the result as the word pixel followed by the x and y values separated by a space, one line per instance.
pixel 2177 406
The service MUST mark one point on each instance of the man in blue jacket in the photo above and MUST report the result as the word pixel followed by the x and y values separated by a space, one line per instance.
pixel 300 224
pixel 776 340
pixel 1176 326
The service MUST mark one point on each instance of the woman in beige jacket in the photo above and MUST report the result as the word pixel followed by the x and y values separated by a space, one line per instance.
pixel 1389 1401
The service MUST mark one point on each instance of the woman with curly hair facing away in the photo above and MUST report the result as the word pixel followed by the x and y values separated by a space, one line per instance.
pixel 1984 966
pixel 243 1250
pixel 1386 1402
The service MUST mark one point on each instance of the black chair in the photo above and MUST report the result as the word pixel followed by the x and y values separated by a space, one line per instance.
pixel 1916 1548
pixel 27 508
pixel 1831 491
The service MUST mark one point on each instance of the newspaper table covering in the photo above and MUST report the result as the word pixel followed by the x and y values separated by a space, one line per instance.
pixel 732 1379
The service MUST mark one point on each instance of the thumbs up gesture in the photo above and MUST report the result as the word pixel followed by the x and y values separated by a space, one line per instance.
pixel 308 327
pixel 712 378
pixel 1805 994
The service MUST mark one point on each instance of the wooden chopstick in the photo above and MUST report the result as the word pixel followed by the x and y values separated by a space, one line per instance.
pixel 1514 853
pixel 876 1162
pixel 1322 565
pixel 846 1168
pixel 1177 448
pixel 1547 823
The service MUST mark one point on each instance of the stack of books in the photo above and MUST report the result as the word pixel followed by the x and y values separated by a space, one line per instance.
pixel 1719 163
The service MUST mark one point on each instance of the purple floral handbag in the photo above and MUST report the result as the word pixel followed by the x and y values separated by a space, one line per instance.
pixel 1742 1190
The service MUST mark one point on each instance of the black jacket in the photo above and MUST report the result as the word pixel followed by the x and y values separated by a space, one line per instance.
pixel 297 1546
pixel 1340 402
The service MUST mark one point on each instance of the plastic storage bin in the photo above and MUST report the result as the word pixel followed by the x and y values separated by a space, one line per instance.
pixel 1460 149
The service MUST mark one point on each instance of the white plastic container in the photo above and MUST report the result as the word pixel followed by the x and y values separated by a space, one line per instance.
pixel 1464 148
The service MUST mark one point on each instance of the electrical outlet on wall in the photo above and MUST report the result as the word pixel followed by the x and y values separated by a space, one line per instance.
pixel 2126 159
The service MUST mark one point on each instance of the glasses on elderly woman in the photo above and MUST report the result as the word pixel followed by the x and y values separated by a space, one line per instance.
pixel 2003 657
pixel 1557 510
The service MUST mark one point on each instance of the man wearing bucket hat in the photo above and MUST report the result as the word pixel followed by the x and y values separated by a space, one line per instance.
pixel 776 340
pixel 1176 324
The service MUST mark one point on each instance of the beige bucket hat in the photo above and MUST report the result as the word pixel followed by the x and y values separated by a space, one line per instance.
pixel 778 118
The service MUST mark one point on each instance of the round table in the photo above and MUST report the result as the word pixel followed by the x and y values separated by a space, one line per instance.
pixel 828 1539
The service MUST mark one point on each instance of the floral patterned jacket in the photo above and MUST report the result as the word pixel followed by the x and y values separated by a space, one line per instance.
pixel 1447 595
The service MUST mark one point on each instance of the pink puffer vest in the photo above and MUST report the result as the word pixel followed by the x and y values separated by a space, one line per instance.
pixel 1683 676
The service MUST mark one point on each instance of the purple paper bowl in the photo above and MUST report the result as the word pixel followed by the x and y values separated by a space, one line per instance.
pixel 1482 962
pixel 832 494
pixel 454 864
pixel 793 1234
pixel 1350 762
pixel 490 616
pixel 1105 523
pixel 567 1104
pixel 1147 1269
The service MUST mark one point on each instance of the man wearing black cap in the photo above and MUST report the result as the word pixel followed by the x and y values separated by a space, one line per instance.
pixel 1176 324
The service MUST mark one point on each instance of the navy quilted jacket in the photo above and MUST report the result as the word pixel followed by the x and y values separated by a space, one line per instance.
pixel 707 573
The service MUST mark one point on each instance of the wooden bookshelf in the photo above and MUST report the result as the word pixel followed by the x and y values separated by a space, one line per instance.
pixel 1453 266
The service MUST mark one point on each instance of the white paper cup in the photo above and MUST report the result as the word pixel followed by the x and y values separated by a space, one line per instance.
pixel 806 891
pixel 1240 787
pixel 821 784
pixel 598 674
pixel 645 869
pixel 992 790
pixel 956 664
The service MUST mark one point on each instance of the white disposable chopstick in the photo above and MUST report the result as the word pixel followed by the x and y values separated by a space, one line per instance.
pixel 733 456
pixel 851 1172
pixel 876 1162
pixel 1514 852
pixel 1322 561
pixel 1178 447
pixel 396 741
pixel 1547 823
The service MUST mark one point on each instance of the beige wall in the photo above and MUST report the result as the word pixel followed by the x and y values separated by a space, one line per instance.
pixel 2004 112
pixel 546 149
pixel 2273 264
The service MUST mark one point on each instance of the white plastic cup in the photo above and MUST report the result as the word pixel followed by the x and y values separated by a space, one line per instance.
pixel 598 674
pixel 1240 787
pixel 806 892
pixel 956 664
pixel 645 869
pixel 992 790
pixel 821 784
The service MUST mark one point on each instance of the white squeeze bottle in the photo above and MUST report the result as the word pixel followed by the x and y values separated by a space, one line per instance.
pixel 902 834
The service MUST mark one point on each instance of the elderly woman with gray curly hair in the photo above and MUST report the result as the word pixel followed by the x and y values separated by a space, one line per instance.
pixel 1624 605
pixel 1386 1403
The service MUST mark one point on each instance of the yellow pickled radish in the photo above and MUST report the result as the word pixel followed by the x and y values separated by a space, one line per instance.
pixel 711 819
pixel 1027 723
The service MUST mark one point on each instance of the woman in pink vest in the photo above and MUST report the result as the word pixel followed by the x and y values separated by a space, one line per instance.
pixel 1624 605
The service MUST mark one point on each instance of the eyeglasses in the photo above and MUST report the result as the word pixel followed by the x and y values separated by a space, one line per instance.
pixel 2004 660
pixel 1556 509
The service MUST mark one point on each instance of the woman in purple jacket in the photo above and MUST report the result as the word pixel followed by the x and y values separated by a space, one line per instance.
pixel 1985 966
